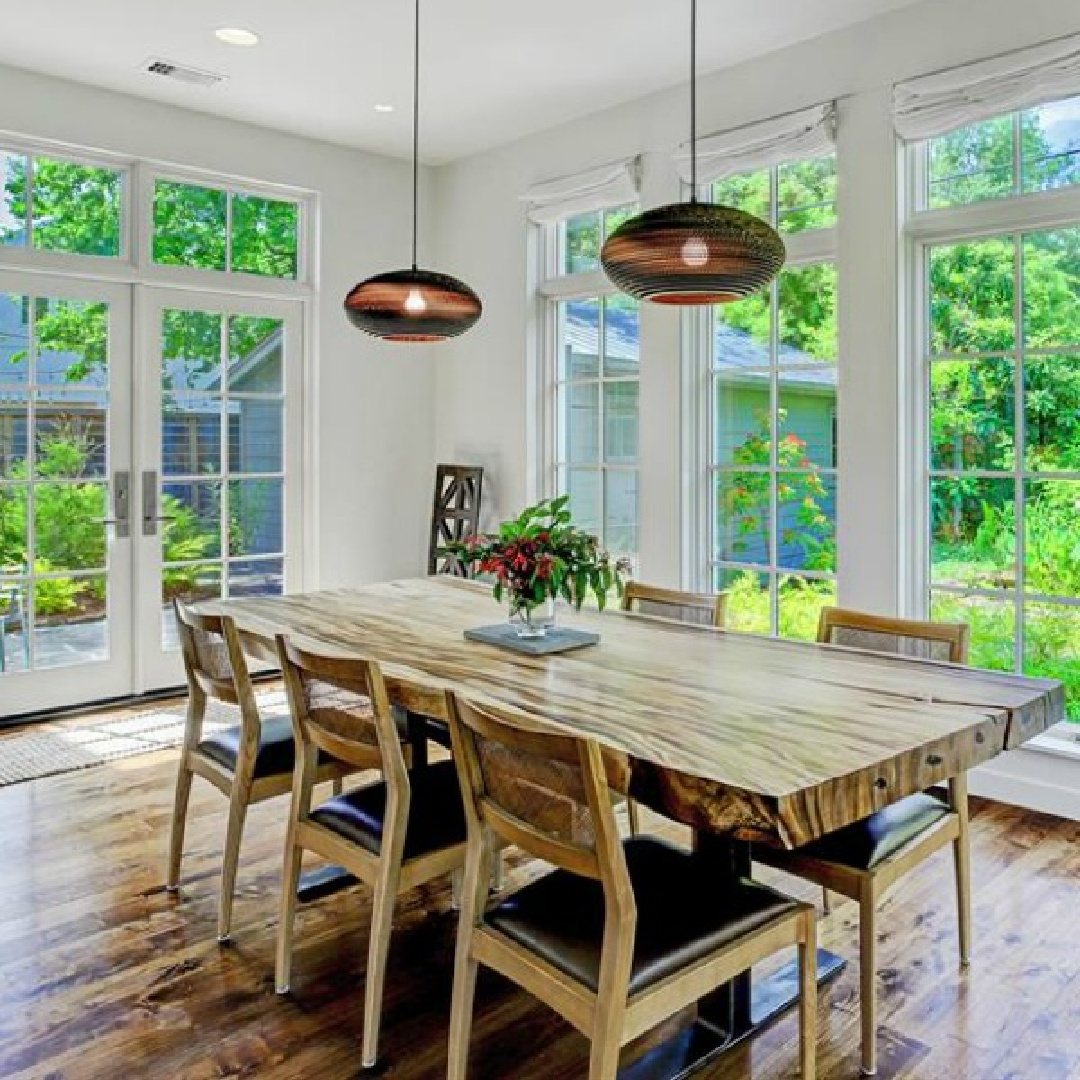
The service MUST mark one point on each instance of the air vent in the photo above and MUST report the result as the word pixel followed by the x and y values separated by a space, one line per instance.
pixel 180 73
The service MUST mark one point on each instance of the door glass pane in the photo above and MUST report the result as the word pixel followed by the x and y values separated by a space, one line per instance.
pixel 70 435
pixel 256 435
pixel 992 624
pixel 191 351
pixel 265 236
pixel 801 601
pixel 1052 537
pixel 190 226
pixel 69 620
pixel 14 341
pixel 256 577
pixel 14 618
pixel 14 431
pixel 1052 648
pixel 70 343
pixel 1051 286
pixel 256 517
pixel 14 529
pixel 69 529
pixel 190 435
pixel 192 529
pixel 1052 413
pixel 256 351
pixel 191 583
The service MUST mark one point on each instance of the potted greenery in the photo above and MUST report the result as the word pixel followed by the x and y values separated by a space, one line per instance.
pixel 538 557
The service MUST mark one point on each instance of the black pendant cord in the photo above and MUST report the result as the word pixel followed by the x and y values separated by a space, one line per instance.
pixel 416 133
pixel 693 101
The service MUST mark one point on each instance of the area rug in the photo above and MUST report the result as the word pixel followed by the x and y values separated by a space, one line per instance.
pixel 52 748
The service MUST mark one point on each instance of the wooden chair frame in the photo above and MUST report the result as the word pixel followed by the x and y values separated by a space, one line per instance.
pixel 867 887
pixel 713 604
pixel 241 787
pixel 389 873
pixel 611 1017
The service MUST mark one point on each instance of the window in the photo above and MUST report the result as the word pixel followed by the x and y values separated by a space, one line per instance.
pixel 213 229
pixel 772 406
pixel 593 444
pixel 1000 359
pixel 1005 156
pixel 55 204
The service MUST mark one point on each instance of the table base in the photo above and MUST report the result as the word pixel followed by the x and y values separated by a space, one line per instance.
pixel 719 1026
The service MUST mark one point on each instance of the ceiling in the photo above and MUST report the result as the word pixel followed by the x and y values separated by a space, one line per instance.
pixel 493 70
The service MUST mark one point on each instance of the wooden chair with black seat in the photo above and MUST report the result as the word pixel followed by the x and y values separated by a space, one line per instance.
pixel 394 833
pixel 621 935
pixel 700 609
pixel 864 860
pixel 248 762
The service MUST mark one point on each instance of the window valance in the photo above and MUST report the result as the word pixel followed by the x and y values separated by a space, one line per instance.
pixel 934 104
pixel 595 189
pixel 809 133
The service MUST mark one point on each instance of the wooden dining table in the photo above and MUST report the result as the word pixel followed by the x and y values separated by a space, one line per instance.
pixel 747 739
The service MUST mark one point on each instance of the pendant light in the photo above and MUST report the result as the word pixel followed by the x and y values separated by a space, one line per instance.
pixel 413 305
pixel 695 252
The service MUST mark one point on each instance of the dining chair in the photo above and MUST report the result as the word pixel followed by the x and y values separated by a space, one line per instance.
pixel 396 832
pixel 867 858
pixel 620 935
pixel 247 762
pixel 699 609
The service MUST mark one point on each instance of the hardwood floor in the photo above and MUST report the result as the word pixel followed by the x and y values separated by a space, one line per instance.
pixel 105 975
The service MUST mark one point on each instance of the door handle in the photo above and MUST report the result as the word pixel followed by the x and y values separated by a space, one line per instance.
pixel 121 518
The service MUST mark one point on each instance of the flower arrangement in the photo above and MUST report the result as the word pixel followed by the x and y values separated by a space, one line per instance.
pixel 540 556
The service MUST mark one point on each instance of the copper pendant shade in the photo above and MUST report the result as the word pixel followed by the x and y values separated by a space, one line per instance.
pixel 692 253
pixel 413 305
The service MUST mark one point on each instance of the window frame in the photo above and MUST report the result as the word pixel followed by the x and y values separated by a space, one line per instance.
pixel 805 248
pixel 1009 218
pixel 556 287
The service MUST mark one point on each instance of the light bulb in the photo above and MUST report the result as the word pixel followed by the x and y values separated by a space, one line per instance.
pixel 415 304
pixel 695 252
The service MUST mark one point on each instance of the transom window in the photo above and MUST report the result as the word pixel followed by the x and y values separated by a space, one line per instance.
pixel 1019 153
pixel 772 403
pixel 211 228
pixel 58 204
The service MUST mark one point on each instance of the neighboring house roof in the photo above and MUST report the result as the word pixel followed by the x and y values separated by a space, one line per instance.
pixel 738 349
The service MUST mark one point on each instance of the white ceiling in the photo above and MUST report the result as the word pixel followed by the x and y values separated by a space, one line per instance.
pixel 493 70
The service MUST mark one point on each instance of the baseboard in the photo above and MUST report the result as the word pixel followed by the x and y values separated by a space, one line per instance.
pixel 1033 779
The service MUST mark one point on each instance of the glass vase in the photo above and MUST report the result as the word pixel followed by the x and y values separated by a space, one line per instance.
pixel 531 620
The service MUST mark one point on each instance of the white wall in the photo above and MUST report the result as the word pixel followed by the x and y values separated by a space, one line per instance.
pixel 373 402
pixel 483 383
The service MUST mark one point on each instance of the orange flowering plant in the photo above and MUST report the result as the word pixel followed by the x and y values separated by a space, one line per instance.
pixel 542 555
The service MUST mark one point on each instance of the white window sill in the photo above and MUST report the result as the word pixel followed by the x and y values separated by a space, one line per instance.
pixel 1062 740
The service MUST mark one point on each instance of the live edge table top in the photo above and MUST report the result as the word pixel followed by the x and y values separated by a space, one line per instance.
pixel 759 738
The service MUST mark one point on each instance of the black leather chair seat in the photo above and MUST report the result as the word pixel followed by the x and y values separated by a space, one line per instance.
pixel 436 815
pixel 277 754
pixel 685 911
pixel 865 844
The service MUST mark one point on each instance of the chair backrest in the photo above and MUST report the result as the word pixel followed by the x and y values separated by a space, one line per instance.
pixel 213 656
pixel 455 514
pixel 902 637
pixel 540 790
pixel 701 609
pixel 339 705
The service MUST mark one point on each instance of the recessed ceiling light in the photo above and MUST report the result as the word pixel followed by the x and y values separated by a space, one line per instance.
pixel 384 108
pixel 236 35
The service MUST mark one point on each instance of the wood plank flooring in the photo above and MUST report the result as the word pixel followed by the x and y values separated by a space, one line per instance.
pixel 104 975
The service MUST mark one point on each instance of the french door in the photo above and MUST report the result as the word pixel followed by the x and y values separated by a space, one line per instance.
pixel 135 469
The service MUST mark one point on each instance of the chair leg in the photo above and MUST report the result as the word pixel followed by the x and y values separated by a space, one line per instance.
pixel 179 825
pixel 826 901
pixel 808 998
pixel 238 804
pixel 461 1007
pixel 606 1046
pixel 962 864
pixel 290 883
pixel 382 922
pixel 867 982
pixel 633 815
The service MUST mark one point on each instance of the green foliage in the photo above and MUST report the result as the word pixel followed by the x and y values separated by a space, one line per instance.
pixel 749 604
pixel 541 554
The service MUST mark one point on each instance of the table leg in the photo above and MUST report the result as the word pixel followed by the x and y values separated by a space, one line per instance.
pixel 736 1010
